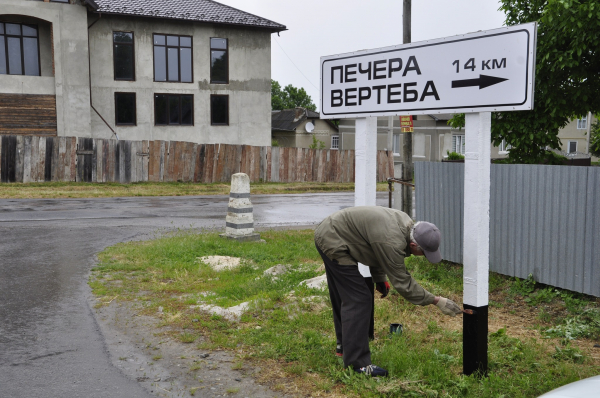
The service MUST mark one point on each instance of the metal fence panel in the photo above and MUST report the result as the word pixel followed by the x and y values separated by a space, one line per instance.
pixel 591 272
pixel 543 220
pixel 439 194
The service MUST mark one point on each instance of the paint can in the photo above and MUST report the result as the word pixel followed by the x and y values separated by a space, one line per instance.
pixel 395 328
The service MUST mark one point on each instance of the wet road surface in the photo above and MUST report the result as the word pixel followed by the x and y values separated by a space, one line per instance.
pixel 50 343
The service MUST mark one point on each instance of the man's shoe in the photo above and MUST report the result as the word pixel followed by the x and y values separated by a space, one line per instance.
pixel 339 351
pixel 373 371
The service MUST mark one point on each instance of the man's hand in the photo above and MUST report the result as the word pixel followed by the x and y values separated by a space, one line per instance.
pixel 448 307
pixel 383 288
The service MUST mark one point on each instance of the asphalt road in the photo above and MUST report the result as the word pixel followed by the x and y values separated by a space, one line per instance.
pixel 50 342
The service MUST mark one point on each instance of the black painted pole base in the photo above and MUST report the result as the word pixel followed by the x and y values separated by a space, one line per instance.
pixel 475 341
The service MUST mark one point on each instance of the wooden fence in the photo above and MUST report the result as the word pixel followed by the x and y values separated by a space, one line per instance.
pixel 38 159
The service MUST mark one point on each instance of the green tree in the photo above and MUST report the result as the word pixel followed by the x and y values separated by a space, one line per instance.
pixel 567 78
pixel 595 139
pixel 289 97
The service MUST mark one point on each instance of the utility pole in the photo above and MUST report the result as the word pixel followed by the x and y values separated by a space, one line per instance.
pixel 407 167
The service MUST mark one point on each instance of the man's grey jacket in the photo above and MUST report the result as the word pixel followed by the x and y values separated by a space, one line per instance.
pixel 375 236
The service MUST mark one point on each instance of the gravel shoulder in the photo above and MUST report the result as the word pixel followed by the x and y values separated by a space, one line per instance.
pixel 135 343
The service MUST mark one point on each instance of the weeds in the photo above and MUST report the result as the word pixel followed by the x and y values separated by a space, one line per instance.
pixel 587 324
pixel 524 287
pixel 571 354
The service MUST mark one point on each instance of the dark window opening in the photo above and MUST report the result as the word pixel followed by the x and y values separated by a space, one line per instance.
pixel 173 109
pixel 219 110
pixel 123 53
pixel 125 112
pixel 19 49
pixel 219 61
pixel 173 58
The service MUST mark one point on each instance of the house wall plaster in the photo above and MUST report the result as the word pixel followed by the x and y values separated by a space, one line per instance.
pixel 249 87
pixel 65 31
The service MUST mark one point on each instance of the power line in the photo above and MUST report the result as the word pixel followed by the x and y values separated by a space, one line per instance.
pixel 276 41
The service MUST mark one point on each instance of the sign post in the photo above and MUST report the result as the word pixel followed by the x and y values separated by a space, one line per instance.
pixel 476 73
pixel 476 241
pixel 365 173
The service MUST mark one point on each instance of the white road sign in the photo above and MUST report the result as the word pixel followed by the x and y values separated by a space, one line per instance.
pixel 476 72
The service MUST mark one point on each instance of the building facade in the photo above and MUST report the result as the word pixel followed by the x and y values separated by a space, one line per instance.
pixel 432 137
pixel 194 70
pixel 302 128
pixel 575 136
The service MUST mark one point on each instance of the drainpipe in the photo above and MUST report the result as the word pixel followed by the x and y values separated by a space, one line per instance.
pixel 90 78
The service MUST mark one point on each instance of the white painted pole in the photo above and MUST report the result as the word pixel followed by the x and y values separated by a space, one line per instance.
pixel 365 184
pixel 365 172
pixel 476 247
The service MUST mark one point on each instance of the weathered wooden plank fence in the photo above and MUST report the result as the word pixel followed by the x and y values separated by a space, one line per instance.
pixel 39 159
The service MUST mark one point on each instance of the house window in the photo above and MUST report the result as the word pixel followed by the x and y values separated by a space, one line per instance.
pixel 173 109
pixel 582 123
pixel 125 112
pixel 458 144
pixel 219 110
pixel 19 49
pixel 397 144
pixel 504 147
pixel 173 58
pixel 572 146
pixel 219 63
pixel 123 54
pixel 335 142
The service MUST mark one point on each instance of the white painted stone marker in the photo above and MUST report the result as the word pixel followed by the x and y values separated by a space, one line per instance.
pixel 239 223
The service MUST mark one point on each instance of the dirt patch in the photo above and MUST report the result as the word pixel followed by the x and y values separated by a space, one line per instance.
pixel 169 368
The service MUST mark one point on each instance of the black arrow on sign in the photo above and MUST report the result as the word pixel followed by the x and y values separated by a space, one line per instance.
pixel 483 82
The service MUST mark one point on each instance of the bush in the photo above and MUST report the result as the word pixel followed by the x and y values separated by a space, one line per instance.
pixel 454 156
pixel 317 144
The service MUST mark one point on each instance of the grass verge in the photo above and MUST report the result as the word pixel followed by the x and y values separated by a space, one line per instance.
pixel 60 190
pixel 540 337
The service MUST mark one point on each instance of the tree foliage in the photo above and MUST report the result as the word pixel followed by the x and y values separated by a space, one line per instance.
pixel 567 77
pixel 595 139
pixel 289 97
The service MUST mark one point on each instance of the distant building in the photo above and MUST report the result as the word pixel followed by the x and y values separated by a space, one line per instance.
pixel 183 70
pixel 299 127
pixel 575 136
pixel 432 137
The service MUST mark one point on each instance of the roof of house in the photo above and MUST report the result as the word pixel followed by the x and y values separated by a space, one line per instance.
pixel 290 119
pixel 190 10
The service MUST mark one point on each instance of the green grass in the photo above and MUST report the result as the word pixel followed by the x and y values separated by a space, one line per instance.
pixel 55 190
pixel 294 332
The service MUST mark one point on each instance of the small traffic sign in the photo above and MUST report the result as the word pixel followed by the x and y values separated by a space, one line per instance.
pixel 476 72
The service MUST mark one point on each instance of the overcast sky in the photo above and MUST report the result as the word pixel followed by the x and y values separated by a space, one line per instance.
pixel 326 27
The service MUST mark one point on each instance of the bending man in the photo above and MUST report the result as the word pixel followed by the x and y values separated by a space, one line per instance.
pixel 380 238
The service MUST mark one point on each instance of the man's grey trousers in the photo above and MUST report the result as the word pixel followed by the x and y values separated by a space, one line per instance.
pixel 351 300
